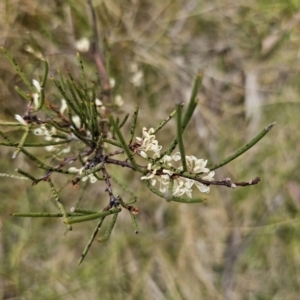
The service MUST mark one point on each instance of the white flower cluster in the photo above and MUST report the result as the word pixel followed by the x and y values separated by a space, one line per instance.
pixel 91 177
pixel 48 135
pixel 42 130
pixel 178 186
pixel 148 143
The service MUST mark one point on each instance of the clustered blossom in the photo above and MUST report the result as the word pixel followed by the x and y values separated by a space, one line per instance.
pixel 176 185
pixel 48 135
pixel 91 177
pixel 148 143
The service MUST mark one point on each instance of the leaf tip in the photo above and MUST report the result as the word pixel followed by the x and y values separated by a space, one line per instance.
pixel 270 126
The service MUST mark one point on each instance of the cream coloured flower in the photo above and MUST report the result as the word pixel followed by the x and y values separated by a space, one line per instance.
pixel 36 96
pixel 203 188
pixel 42 130
pixel 48 136
pixel 98 102
pixel 209 176
pixel 183 186
pixel 137 78
pixel 83 45
pixel 176 185
pixel 196 165
pixel 76 121
pixel 112 82
pixel 148 143
pixel 91 177
pixel 137 74
pixel 119 100
pixel 63 106
pixel 37 85
pixel 20 120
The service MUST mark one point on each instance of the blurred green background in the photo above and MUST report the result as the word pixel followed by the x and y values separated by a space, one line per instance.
pixel 240 244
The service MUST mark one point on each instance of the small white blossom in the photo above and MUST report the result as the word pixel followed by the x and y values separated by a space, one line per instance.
pixel 36 96
pixel 176 156
pixel 137 75
pixel 183 186
pixel 147 177
pixel 137 78
pixel 42 130
pixel 83 45
pixel 151 174
pixel 164 182
pixel 74 170
pixel 119 100
pixel 209 176
pixel 37 85
pixel 148 143
pixel 166 159
pixel 203 188
pixel 20 120
pixel 112 82
pixel 98 102
pixel 29 49
pixel 195 165
pixel 48 136
pixel 65 150
pixel 63 106
pixel 50 148
pixel 91 177
pixel 168 172
pixel 76 121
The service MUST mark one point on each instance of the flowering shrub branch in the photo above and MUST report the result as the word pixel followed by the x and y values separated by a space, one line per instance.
pixel 79 129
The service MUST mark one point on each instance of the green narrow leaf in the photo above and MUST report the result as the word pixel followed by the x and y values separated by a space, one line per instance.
pixel 93 216
pixel 17 68
pixel 109 230
pixel 179 137
pixel 244 148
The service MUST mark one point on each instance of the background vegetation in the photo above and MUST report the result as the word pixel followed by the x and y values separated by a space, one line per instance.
pixel 240 244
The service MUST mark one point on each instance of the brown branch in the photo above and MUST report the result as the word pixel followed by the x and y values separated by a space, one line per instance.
pixel 227 182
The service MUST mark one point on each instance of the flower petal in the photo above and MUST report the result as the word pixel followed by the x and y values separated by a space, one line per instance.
pixel 21 120
pixel 37 85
